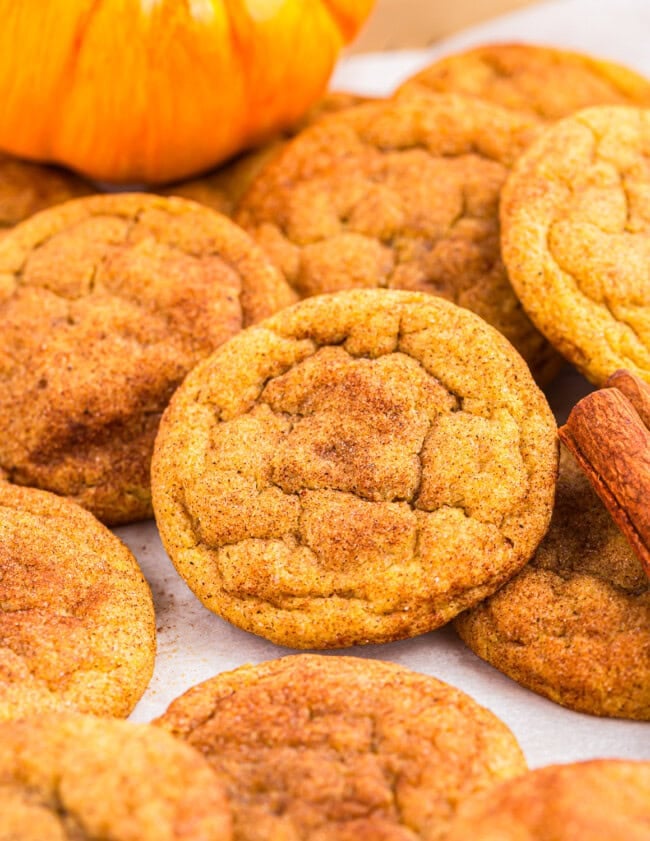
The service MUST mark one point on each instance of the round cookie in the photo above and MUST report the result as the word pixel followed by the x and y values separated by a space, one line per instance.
pixel 340 748
pixel 599 800
pixel 105 304
pixel 358 468
pixel 537 81
pixel 575 218
pixel 77 625
pixel 26 188
pixel 403 195
pixel 223 189
pixel 574 624
pixel 77 777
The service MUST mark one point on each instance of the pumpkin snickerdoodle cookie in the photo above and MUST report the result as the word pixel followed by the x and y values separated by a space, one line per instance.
pixel 26 188
pixel 105 304
pixel 403 195
pixel 339 748
pixel 538 81
pixel 599 800
pixel 77 624
pixel 576 238
pixel 359 468
pixel 574 624
pixel 76 777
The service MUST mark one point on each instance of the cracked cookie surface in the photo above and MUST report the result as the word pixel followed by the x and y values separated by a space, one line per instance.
pixel 400 195
pixel 538 81
pixel 318 748
pixel 574 624
pixel 358 468
pixel 77 625
pixel 575 236
pixel 26 188
pixel 105 304
pixel 599 800
pixel 66 777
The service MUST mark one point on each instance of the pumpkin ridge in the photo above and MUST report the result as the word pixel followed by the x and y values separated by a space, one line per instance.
pixel 83 25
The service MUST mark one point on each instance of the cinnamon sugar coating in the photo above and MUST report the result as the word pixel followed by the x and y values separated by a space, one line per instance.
pixel 402 194
pixel 317 748
pixel 358 468
pixel 77 625
pixel 105 304
pixel 574 624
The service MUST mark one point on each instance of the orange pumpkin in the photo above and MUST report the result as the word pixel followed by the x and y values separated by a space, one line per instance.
pixel 154 90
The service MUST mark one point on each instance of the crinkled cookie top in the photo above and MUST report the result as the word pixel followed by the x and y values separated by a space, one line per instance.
pixel 401 194
pixel 574 624
pixel 575 233
pixel 317 748
pixel 359 468
pixel 105 304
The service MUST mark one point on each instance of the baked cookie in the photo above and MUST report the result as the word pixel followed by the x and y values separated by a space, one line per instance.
pixel 599 800
pixel 359 468
pixel 576 222
pixel 403 195
pixel 223 189
pixel 26 188
pixel 105 304
pixel 340 748
pixel 77 626
pixel 574 625
pixel 538 81
pixel 72 776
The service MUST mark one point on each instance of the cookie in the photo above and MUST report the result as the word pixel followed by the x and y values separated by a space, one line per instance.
pixel 105 304
pixel 77 626
pixel 26 188
pixel 323 748
pixel 223 189
pixel 575 215
pixel 359 468
pixel 599 800
pixel 403 195
pixel 538 81
pixel 574 624
pixel 72 776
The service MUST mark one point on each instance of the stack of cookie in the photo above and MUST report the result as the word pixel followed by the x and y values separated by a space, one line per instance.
pixel 351 446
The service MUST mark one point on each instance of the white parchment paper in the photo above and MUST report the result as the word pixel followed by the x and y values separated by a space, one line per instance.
pixel 194 644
